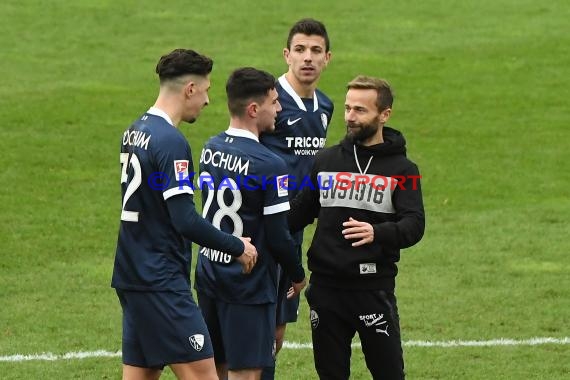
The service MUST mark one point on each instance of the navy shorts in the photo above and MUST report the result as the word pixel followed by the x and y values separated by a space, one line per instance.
pixel 162 328
pixel 287 309
pixel 243 336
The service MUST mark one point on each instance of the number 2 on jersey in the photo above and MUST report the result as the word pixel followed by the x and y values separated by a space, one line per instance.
pixel 132 186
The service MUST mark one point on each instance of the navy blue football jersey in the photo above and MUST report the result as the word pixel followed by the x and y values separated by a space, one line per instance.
pixel 241 181
pixel 156 164
pixel 300 132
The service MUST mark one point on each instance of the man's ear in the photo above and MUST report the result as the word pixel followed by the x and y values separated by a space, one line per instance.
pixel 385 115
pixel 286 55
pixel 328 57
pixel 189 89
pixel 252 109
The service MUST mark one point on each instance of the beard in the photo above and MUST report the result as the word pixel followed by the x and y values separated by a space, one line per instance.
pixel 359 132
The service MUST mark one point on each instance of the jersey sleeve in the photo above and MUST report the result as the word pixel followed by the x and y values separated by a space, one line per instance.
pixel 175 169
pixel 276 197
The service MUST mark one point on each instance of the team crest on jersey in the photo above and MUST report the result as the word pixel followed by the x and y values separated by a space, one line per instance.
pixel 181 168
pixel 197 341
pixel 324 120
pixel 282 185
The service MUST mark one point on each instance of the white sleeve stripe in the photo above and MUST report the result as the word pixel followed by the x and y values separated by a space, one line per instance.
pixel 177 190
pixel 276 208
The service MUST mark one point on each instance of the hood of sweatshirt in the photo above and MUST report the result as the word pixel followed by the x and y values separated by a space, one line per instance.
pixel 394 144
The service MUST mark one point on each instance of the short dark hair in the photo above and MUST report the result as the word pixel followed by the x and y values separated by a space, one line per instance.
pixel 385 95
pixel 246 84
pixel 180 62
pixel 310 27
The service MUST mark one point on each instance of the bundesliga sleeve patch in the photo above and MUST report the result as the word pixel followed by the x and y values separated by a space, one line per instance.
pixel 282 185
pixel 181 169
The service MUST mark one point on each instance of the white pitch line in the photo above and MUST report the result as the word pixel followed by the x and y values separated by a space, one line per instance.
pixel 457 343
pixel 48 356
pixel 488 343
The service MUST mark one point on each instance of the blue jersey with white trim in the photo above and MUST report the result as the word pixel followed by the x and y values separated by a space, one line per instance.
pixel 241 181
pixel 155 164
pixel 300 132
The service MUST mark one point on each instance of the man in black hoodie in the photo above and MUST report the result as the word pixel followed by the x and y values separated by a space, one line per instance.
pixel 366 195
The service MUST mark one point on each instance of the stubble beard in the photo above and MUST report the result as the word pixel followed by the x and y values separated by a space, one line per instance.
pixel 364 131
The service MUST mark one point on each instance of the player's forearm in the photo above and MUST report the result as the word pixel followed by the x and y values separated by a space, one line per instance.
pixel 192 226
pixel 304 210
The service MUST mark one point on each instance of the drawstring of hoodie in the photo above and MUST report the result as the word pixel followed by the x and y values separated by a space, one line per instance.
pixel 358 163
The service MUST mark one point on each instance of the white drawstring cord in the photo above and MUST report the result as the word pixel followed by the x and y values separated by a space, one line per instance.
pixel 358 163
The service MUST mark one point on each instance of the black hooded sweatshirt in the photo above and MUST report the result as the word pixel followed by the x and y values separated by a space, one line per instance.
pixel 375 184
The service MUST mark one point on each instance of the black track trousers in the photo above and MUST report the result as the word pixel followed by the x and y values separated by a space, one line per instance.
pixel 337 314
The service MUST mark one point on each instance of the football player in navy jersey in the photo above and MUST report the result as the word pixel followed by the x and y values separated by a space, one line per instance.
pixel 162 324
pixel 245 193
pixel 300 131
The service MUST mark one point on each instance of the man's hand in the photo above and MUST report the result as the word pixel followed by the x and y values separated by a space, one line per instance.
pixel 296 288
pixel 248 258
pixel 353 229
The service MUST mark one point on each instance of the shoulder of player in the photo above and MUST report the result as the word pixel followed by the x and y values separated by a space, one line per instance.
pixel 245 148
pixel 154 132
pixel 213 140
pixel 263 153
pixel 287 102
pixel 165 137
pixel 160 128
pixel 269 160
pixel 324 99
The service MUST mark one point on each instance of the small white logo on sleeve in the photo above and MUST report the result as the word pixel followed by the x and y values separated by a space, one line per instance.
pixel 197 341
pixel 282 185
pixel 324 120
pixel 367 268
pixel 181 168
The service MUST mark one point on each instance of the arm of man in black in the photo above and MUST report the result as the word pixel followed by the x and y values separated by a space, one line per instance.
pixel 408 228
pixel 305 207
pixel 282 246
pixel 410 224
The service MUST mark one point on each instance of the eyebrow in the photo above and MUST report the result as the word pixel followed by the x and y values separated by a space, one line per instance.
pixel 310 46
